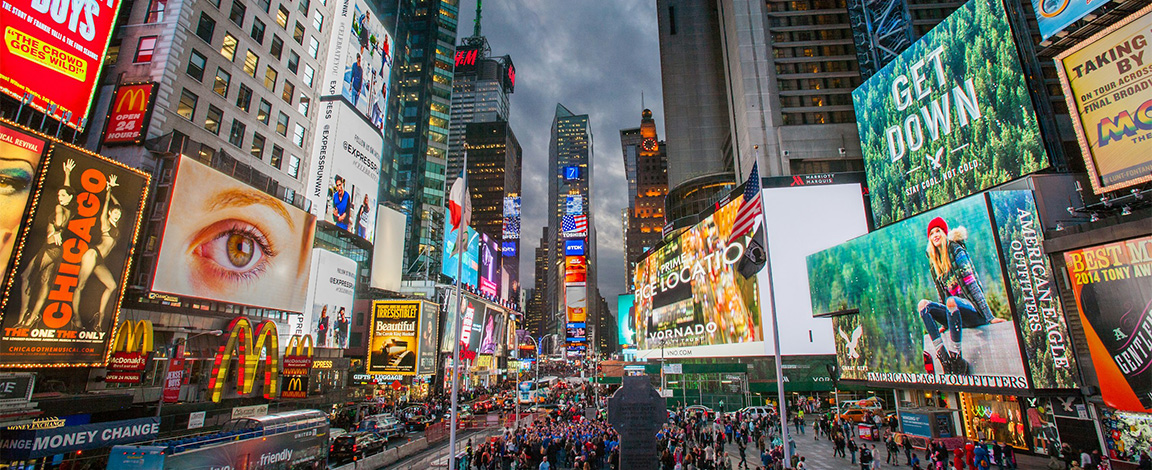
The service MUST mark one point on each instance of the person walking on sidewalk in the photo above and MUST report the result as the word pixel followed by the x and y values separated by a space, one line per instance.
pixel 852 450
pixel 907 444
pixel 865 458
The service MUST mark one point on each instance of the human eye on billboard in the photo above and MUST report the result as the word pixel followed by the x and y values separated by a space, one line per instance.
pixel 20 157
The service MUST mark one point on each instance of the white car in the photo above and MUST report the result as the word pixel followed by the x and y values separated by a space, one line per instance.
pixel 757 411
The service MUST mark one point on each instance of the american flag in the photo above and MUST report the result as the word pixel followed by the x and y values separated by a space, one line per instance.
pixel 511 228
pixel 574 225
pixel 750 210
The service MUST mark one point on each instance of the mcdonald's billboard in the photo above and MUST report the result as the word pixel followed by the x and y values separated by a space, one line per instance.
pixel 129 113
pixel 294 386
pixel 240 346
pixel 130 350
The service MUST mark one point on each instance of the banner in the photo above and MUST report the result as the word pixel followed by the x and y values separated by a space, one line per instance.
pixel 63 294
pixel 950 117
pixel 395 339
pixel 1054 15
pixel 229 242
pixel 1113 107
pixel 329 311
pixel 174 378
pixel 625 316
pixel 492 330
pixel 426 358
pixel 344 178
pixel 511 227
pixel 129 113
pixel 55 52
pixel 359 60
pixel 22 154
pixel 34 444
pixel 1112 284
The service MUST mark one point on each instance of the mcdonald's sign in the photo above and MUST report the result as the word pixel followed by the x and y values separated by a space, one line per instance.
pixel 298 355
pixel 130 351
pixel 240 346
pixel 294 386
pixel 129 113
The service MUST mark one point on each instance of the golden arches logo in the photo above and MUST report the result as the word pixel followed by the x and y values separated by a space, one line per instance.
pixel 133 339
pixel 135 97
pixel 299 346
pixel 240 345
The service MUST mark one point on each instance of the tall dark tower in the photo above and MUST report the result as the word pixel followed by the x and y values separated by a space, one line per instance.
pixel 646 165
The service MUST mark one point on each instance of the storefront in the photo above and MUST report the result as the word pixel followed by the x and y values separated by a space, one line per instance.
pixel 994 418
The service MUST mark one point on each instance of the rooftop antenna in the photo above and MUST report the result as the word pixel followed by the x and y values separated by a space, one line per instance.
pixel 642 99
pixel 476 29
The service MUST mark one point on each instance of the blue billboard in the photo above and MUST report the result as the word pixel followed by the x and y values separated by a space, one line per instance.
pixel 1055 15
pixel 574 247
pixel 471 268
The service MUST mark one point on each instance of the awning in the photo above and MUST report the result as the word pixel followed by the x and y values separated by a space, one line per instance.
pixel 33 444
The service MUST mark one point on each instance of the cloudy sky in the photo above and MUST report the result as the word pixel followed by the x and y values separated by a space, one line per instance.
pixel 596 57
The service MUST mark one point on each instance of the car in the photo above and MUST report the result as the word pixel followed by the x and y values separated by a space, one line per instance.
pixel 699 409
pixel 509 404
pixel 353 446
pixel 855 415
pixel 756 411
pixel 390 427
pixel 417 422
pixel 333 433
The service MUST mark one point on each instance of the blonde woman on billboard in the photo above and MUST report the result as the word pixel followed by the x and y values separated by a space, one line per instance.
pixel 92 263
pixel 38 274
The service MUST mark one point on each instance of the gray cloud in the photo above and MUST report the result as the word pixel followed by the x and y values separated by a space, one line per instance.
pixel 595 57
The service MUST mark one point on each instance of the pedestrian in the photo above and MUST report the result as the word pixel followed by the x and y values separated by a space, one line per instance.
pixel 852 450
pixel 907 443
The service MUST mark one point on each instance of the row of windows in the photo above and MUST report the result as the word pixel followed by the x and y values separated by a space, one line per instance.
pixel 819 83
pixel 807 20
pixel 818 67
pixel 817 100
pixel 834 117
pixel 821 35
pixel 813 51
pixel 805 5
pixel 214 119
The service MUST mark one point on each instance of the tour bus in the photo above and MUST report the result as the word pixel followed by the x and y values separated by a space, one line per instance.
pixel 283 441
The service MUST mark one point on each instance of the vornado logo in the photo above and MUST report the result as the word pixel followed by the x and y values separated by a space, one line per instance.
pixel 240 347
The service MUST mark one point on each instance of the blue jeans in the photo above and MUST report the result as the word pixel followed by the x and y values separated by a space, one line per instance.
pixel 936 314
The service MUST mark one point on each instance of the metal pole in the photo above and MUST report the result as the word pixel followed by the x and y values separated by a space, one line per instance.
pixel 516 426
pixel 456 328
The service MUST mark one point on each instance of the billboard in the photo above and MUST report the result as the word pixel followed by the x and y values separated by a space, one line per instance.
pixel 625 316
pixel 328 310
pixel 574 247
pixel 55 53
pixel 20 167
pixel 463 322
pixel 233 243
pixel 489 266
pixel 576 302
pixel 511 228
pixel 1054 15
pixel 394 344
pixel 950 117
pixel 428 329
pixel 63 292
pixel 129 113
pixel 577 332
pixel 575 269
pixel 1111 284
pixel 491 330
pixel 359 61
pixel 1113 112
pixel 571 173
pixel 471 268
pixel 388 249
pixel 574 226
pixel 574 204
pixel 345 175
pixel 931 298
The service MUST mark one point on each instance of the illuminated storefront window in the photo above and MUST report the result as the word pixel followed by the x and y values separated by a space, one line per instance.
pixel 993 418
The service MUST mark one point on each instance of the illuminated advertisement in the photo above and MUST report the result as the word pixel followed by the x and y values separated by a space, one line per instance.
pixel 55 53
pixel 471 267
pixel 1113 115
pixel 625 315
pixel 20 157
pixel 575 269
pixel 426 355
pixel 329 305
pixel 577 332
pixel 511 228
pixel 931 299
pixel 466 58
pixel 1112 284
pixel 62 296
pixel 130 351
pixel 574 226
pixel 948 118
pixel 394 346
pixel 345 176
pixel 249 347
pixel 489 266
pixel 574 247
pixel 359 60
pixel 129 113
pixel 576 302
pixel 574 204
pixel 1054 15
pixel 491 330
pixel 233 243
pixel 571 173
pixel 452 322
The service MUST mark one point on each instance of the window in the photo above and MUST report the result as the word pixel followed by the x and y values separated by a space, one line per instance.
pixel 282 17
pixel 196 64
pixel 277 46
pixel 298 33
pixel 318 20
pixel 237 14
pixel 156 11
pixel 187 106
pixel 282 124
pixel 270 76
pixel 223 79
pixel 264 111
pixel 672 21
pixel 293 61
pixel 250 63
pixel 206 27
pixel 303 6
pixel 257 30
pixel 305 102
pixel 236 136
pixel 264 5
pixel 228 48
pixel 257 146
pixel 293 166
pixel 244 98
pixel 212 119
pixel 288 93
pixel 215 3
pixel 144 49
pixel 314 47
pixel 113 55
pixel 309 74
pixel 298 135
pixel 277 156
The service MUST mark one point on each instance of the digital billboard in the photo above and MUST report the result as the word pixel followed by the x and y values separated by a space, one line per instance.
pixel 1053 16
pixel 20 156
pixel 62 296
pixel 1113 110
pixel 55 53
pixel 571 173
pixel 575 269
pixel 394 345
pixel 1112 284
pixel 129 113
pixel 574 204
pixel 625 316
pixel 229 242
pixel 388 249
pixel 574 226
pixel 331 292
pixel 576 332
pixel 429 331
pixel 463 322
pixel 359 60
pixel 511 229
pixel 345 175
pixel 950 117
pixel 489 266
pixel 576 302
pixel 574 247
pixel 471 267
pixel 931 299
pixel 491 330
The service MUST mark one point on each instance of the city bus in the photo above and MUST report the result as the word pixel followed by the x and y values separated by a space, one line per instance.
pixel 293 440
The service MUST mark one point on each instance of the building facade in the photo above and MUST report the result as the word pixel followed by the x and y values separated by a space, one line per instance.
pixel 646 167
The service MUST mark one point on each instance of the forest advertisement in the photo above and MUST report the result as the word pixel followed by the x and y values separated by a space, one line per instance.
pixel 1108 77
pixel 395 339
pixel 1112 284
pixel 948 118
pixel 1047 344
pixel 933 307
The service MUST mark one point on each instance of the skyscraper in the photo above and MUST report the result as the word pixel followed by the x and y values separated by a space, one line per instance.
pixel 646 166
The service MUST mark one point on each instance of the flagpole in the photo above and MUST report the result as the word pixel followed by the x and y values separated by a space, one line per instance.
pixel 456 324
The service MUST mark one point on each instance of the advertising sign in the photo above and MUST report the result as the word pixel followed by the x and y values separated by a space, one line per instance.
pixel 576 302
pixel 303 448
pixel 489 266
pixel 458 325
pixel 426 357
pixel 330 297
pixel 1112 105
pixel 1112 284
pixel 625 316
pixel 130 351
pixel 359 60
pixel 933 309
pixel 23 153
pixel 129 113
pixel 1055 15
pixel 492 330
pixel 345 175
pixel 574 226
pixel 916 424
pixel 229 242
pixel 577 332
pixel 394 345
pixel 174 378
pixel 571 173
pixel 511 218
pixel 388 249
pixel 471 268
pixel 948 118
pixel 63 295
pixel 1047 344
pixel 249 347
pixel 574 247
pixel 55 53
pixel 37 443
pixel 575 269
pixel 574 204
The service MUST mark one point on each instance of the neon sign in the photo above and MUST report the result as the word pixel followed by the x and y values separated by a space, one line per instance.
pixel 467 57
pixel 240 345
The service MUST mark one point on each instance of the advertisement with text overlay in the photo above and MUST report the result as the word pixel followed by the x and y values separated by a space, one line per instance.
pixel 359 60
pixel 950 117
pixel 1054 15
pixel 63 293
pixel 345 174
pixel 1112 284
pixel 330 297
pixel 21 154
pixel 429 331
pixel 230 242
pixel 394 345
pixel 449 264
pixel 1113 105
pixel 54 51
pixel 129 113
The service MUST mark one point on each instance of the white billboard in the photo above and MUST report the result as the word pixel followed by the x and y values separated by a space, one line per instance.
pixel 388 250
pixel 345 173
pixel 329 309
pixel 359 60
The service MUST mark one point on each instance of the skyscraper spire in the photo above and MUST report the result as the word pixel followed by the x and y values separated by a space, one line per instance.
pixel 476 29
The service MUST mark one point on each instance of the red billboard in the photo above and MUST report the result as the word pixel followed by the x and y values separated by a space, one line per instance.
pixel 53 51
pixel 128 113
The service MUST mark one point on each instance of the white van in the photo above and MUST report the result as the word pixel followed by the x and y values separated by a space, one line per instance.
pixel 758 411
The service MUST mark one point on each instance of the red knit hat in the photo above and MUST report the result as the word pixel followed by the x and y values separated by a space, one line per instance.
pixel 937 223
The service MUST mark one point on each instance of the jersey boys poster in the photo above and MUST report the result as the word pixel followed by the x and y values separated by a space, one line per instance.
pixel 64 292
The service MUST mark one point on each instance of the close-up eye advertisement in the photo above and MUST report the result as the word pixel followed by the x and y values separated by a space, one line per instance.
pixel 233 243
